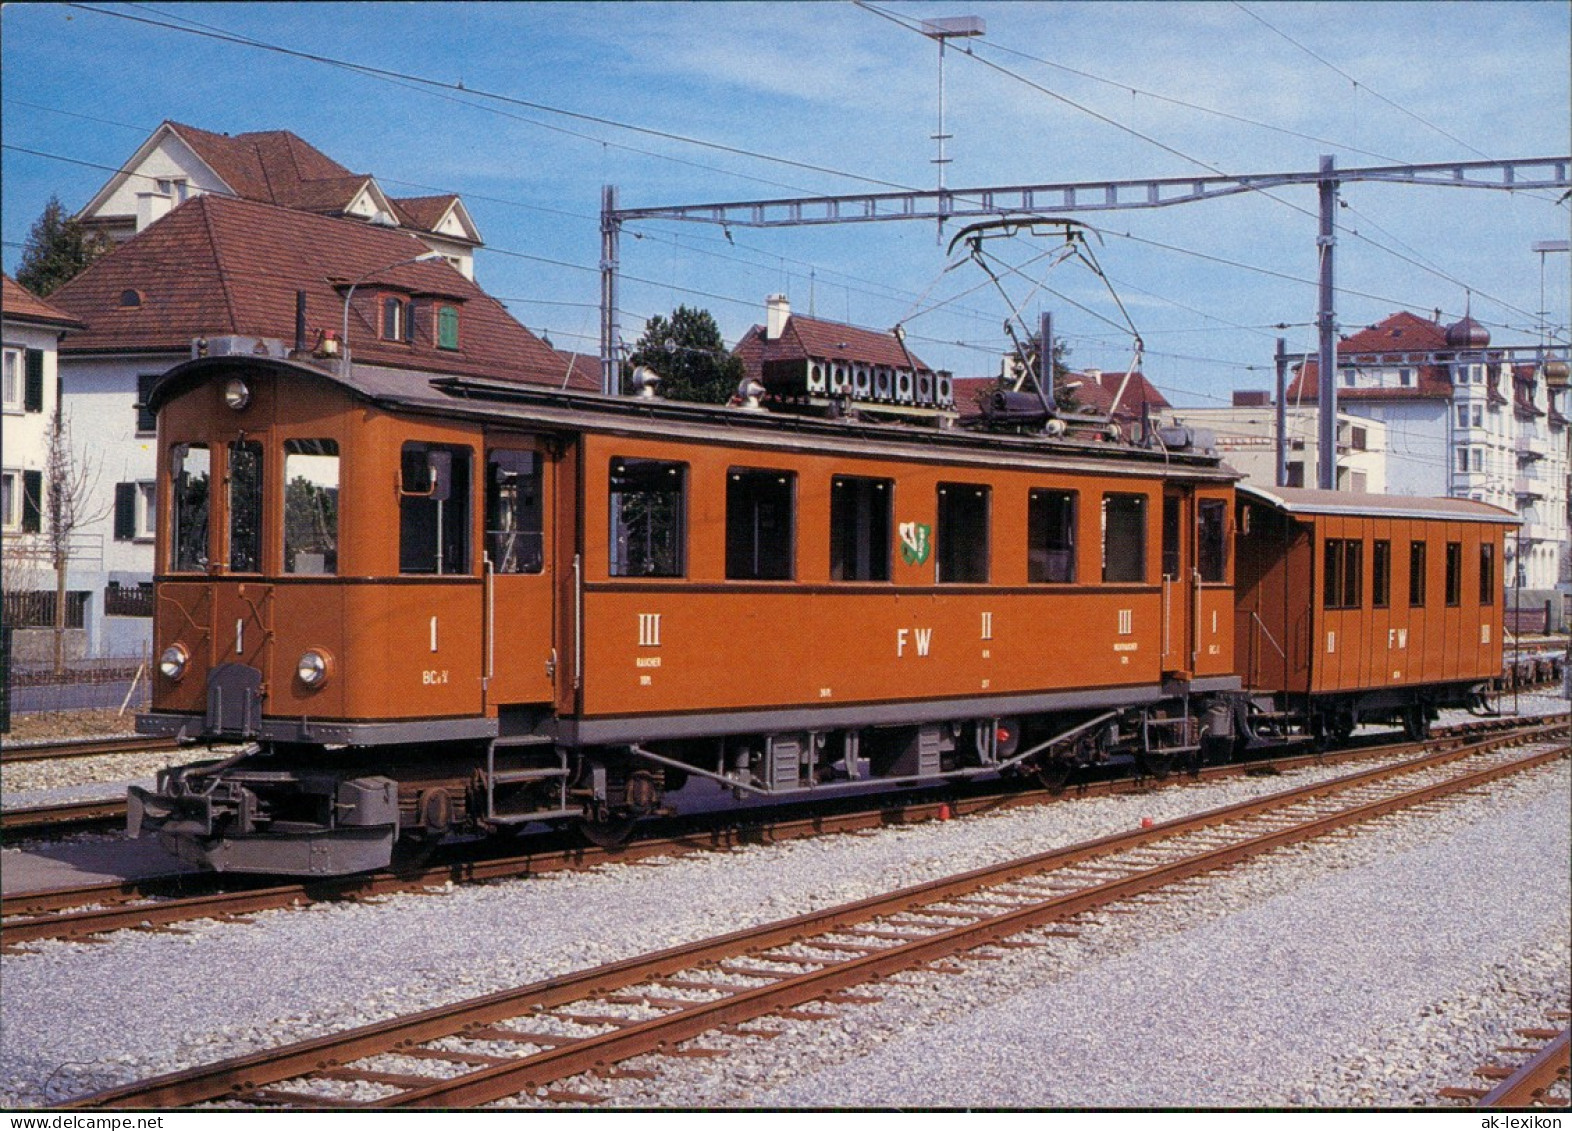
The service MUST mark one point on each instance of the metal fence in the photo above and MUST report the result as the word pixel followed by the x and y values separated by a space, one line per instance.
pixel 35 608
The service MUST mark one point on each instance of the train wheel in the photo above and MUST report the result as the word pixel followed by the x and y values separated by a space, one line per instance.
pixel 411 853
pixel 1155 764
pixel 608 832
pixel 1055 775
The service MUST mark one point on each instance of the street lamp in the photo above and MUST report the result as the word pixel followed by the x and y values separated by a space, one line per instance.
pixel 343 340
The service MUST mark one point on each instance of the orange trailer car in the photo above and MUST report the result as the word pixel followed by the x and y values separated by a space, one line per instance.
pixel 1366 608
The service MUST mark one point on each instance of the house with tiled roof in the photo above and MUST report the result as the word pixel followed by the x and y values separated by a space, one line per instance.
pixel 32 329
pixel 178 162
pixel 225 274
pixel 1465 421
pixel 1092 391
pixel 796 357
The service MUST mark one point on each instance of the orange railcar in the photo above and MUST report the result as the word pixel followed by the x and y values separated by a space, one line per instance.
pixel 413 605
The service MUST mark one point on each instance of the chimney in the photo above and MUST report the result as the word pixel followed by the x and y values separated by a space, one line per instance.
pixel 776 311
pixel 151 207
pixel 300 322
pixel 1252 398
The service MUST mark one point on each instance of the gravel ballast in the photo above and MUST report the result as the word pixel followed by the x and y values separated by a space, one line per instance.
pixel 76 1017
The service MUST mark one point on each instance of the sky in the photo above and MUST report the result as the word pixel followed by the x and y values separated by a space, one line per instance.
pixel 527 109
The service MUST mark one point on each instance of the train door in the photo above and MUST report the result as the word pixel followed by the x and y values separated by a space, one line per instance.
pixel 520 659
pixel 1181 583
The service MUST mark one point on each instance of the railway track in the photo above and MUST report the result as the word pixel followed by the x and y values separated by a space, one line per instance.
pixel 81 748
pixel 161 902
pixel 1541 1067
pixel 562 1039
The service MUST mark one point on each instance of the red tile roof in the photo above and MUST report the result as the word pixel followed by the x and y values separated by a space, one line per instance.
pixel 21 305
pixel 217 265
pixel 1398 334
pixel 1094 394
pixel 277 167
pixel 802 338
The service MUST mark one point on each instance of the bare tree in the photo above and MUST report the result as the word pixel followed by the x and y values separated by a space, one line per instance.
pixel 70 483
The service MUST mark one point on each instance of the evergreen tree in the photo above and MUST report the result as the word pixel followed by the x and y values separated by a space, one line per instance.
pixel 58 248
pixel 689 354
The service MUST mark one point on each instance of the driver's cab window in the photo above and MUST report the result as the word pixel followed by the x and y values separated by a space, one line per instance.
pixel 190 473
pixel 434 527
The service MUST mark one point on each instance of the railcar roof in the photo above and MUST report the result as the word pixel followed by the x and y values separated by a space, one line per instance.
pixel 569 410
pixel 1308 501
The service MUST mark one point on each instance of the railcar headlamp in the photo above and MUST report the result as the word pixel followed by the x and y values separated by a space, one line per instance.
pixel 313 668
pixel 236 394
pixel 173 662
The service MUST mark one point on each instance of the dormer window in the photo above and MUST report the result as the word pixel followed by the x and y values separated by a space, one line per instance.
pixel 130 297
pixel 396 324
pixel 447 327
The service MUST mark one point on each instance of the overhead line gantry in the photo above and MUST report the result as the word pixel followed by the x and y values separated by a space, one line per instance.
pixel 1513 175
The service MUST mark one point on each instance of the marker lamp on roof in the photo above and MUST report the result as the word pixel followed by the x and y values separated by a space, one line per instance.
pixel 236 394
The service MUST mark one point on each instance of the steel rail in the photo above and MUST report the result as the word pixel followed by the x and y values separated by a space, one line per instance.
pixel 82 748
pixel 70 816
pixel 498 1078
pixel 48 914
pixel 1528 1085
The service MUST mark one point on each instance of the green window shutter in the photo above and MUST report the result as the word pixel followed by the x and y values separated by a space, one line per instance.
pixel 32 501
pixel 125 512
pixel 33 395
pixel 447 328
pixel 146 419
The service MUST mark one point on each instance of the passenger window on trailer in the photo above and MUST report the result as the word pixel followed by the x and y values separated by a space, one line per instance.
pixel 1487 573
pixel 1050 536
pixel 1380 573
pixel 514 541
pixel 311 506
pixel 962 536
pixel 190 469
pixel 245 506
pixel 1212 539
pixel 1454 573
pixel 433 509
pixel 1416 574
pixel 1124 538
pixel 760 524
pixel 860 528
pixel 648 511
pixel 1343 573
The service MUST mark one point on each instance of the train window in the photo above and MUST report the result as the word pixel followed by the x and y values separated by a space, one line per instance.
pixel 1416 574
pixel 1050 536
pixel 311 506
pixel 1212 539
pixel 1343 581
pixel 433 509
pixel 190 468
pixel 648 518
pixel 1124 537
pixel 1380 573
pixel 962 550
pixel 514 540
pixel 245 506
pixel 760 524
pixel 1454 573
pixel 1487 573
pixel 860 528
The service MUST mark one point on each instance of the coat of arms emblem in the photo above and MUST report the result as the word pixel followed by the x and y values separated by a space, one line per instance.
pixel 916 542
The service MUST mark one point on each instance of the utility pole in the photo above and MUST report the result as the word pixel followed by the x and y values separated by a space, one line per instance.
pixel 1282 412
pixel 943 30
pixel 1326 328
